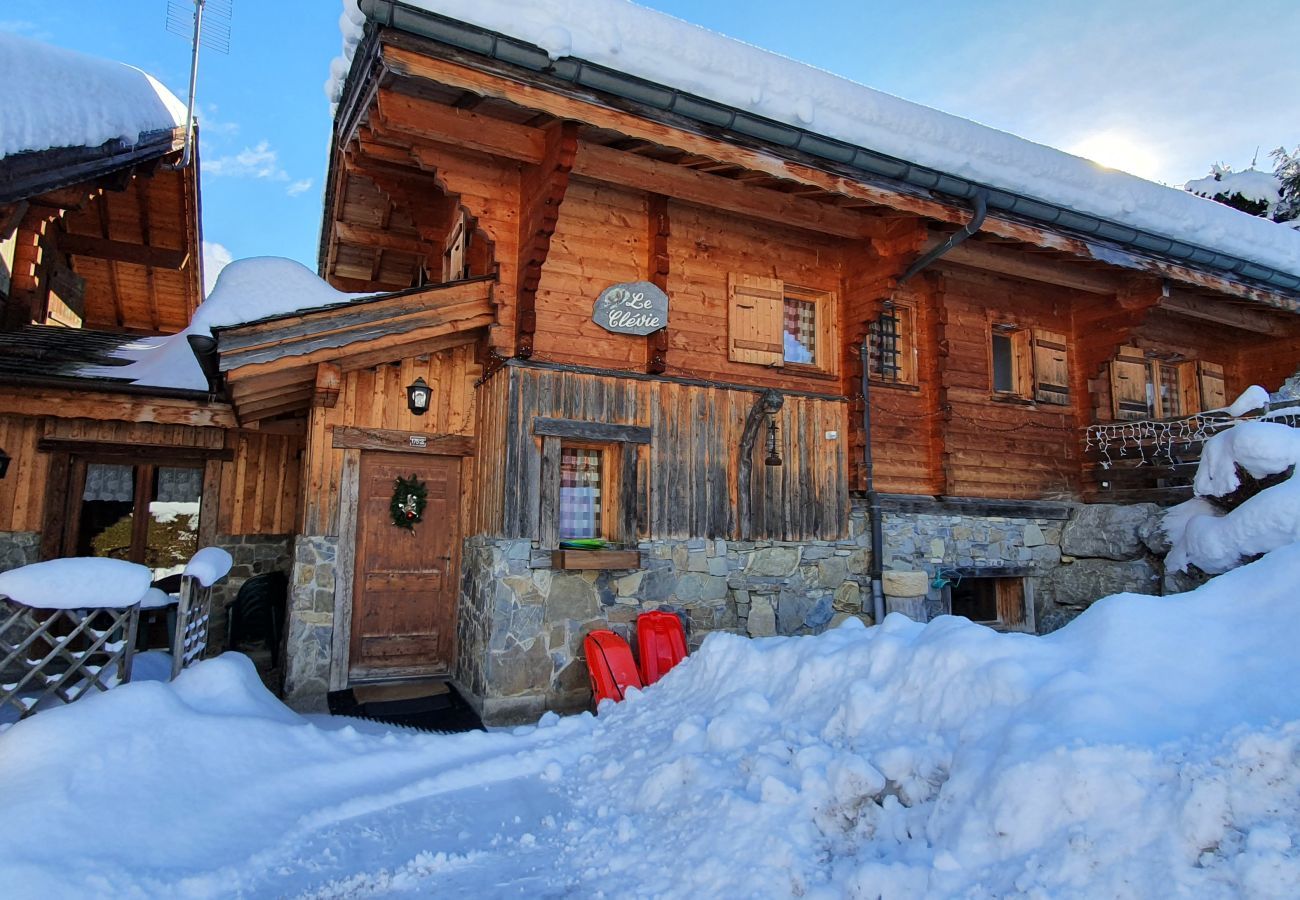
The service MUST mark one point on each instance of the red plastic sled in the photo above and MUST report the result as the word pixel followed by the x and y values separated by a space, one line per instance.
pixel 662 643
pixel 610 664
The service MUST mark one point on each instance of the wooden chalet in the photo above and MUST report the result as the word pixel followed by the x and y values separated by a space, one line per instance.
pixel 786 379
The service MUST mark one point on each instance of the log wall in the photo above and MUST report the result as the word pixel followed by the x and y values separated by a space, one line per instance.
pixel 22 491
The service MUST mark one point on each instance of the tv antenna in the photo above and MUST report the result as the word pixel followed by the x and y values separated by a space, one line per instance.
pixel 207 24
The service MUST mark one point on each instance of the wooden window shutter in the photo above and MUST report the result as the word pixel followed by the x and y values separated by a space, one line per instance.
pixel 1051 368
pixel 1128 384
pixel 1214 392
pixel 1189 389
pixel 755 320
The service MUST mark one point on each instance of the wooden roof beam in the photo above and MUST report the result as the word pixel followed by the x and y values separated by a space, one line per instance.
pixel 124 251
pixel 1062 272
pixel 1220 312
pixel 631 170
pixel 370 236
pixel 433 122
pixel 542 190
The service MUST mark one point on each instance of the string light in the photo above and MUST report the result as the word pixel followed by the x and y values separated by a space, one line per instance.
pixel 1153 440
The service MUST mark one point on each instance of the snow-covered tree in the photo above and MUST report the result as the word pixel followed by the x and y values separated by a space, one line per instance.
pixel 1287 173
pixel 1270 195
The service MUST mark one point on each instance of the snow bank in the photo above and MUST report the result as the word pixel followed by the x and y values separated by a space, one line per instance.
pixel 1149 748
pixel 69 99
pixel 668 51
pixel 246 290
pixel 209 565
pixel 1202 535
pixel 77 583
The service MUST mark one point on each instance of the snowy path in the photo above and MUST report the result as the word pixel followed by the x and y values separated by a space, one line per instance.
pixel 1150 748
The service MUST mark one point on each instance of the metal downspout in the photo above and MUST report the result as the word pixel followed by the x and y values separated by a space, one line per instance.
pixel 981 209
pixel 873 499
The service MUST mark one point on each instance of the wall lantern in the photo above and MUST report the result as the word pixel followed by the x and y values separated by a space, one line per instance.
pixel 417 397
pixel 4 463
pixel 773 457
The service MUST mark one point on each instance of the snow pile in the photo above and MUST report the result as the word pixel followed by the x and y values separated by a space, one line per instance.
pixel 69 99
pixel 246 290
pixel 1149 748
pixel 668 51
pixel 209 565
pixel 78 583
pixel 1251 184
pixel 1214 541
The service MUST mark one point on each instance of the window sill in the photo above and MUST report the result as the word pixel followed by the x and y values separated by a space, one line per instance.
pixel 894 385
pixel 595 559
pixel 805 370
pixel 1013 399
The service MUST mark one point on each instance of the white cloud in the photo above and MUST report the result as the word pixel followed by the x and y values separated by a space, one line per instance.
pixel 251 162
pixel 215 258
pixel 298 187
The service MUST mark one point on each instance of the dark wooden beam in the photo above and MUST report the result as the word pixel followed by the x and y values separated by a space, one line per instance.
pixel 1221 312
pixel 379 239
pixel 579 430
pixel 657 244
pixel 124 251
pixel 347 438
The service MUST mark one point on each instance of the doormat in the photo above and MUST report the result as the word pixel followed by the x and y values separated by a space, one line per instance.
pixel 425 705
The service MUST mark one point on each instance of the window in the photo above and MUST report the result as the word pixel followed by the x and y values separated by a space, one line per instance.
pixel 588 481
pixel 891 345
pixel 772 323
pixel 1002 602
pixel 106 521
pixel 1010 360
pixel 1029 364
pixel 581 469
pixel 1145 386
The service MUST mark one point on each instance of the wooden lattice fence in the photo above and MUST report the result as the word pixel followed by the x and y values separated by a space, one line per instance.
pixel 193 614
pixel 61 654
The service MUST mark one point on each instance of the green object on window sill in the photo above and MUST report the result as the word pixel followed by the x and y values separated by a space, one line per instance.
pixel 584 544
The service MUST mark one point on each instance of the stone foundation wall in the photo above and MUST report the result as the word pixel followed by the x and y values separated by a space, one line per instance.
pixel 251 554
pixel 19 548
pixel 521 623
pixel 310 624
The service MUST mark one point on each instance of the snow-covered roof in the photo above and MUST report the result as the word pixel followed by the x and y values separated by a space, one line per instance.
pixel 61 98
pixel 246 290
pixel 668 51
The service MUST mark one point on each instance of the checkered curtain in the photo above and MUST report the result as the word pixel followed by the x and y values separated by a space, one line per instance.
pixel 579 493
pixel 801 331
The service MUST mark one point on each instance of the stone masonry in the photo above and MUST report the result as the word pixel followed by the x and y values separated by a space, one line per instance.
pixel 311 622
pixel 19 548
pixel 251 554
pixel 521 622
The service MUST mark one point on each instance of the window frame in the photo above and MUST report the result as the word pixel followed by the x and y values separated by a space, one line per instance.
pixel 1009 587
pixel 757 337
pixel 905 346
pixel 1188 377
pixel 1020 361
pixel 622 501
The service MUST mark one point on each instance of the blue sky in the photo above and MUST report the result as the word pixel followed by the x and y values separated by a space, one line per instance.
pixel 1161 87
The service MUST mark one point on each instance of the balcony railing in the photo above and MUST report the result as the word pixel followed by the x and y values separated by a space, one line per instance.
pixel 1154 461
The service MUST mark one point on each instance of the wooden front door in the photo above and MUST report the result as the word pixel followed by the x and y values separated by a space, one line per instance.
pixel 407 581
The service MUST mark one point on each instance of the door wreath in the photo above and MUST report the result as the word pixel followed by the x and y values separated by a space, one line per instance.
pixel 409 499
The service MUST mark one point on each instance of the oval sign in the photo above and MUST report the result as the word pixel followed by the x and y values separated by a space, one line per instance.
pixel 636 307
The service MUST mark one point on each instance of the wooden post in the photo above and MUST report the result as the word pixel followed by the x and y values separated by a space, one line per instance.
pixel 659 227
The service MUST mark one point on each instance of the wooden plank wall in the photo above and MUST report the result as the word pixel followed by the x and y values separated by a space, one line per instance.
pixel 486 514
pixel 140 433
pixel 260 487
pixel 993 448
pixel 376 398
pixel 22 491
pixel 688 473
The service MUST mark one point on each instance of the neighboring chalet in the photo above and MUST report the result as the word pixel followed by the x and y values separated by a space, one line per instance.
pixel 790 375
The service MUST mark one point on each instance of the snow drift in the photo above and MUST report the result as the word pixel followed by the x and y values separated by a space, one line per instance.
pixel 1149 748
